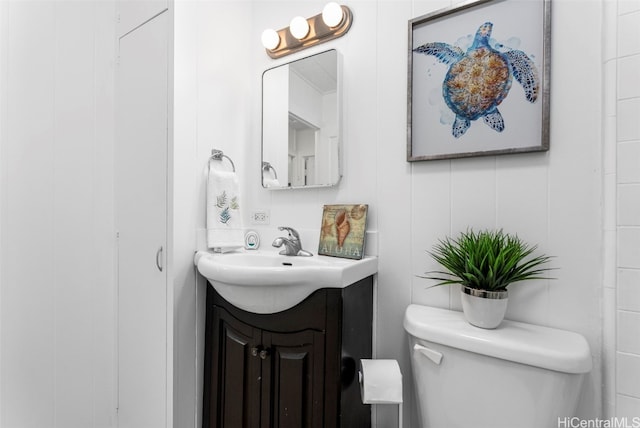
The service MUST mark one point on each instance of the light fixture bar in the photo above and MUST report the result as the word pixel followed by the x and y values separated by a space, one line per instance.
pixel 319 32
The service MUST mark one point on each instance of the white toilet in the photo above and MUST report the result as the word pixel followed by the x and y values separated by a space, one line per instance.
pixel 516 376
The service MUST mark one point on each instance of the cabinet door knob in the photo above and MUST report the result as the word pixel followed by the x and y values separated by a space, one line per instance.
pixel 256 350
pixel 264 354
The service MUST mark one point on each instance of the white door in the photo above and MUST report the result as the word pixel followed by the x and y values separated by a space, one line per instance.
pixel 141 222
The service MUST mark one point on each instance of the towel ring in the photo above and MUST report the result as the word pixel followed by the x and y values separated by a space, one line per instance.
pixel 218 155
pixel 266 166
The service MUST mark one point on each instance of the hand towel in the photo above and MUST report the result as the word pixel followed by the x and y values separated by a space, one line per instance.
pixel 224 222
pixel 271 182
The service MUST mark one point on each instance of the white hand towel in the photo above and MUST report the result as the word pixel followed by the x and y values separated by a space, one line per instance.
pixel 224 222
pixel 271 182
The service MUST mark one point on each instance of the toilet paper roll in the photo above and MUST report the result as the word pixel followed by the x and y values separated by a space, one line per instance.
pixel 380 382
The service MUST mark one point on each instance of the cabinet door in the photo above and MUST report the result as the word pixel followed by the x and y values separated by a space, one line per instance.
pixel 141 221
pixel 235 380
pixel 293 380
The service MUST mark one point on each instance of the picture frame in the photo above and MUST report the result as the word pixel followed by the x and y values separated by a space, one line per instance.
pixel 478 80
pixel 343 231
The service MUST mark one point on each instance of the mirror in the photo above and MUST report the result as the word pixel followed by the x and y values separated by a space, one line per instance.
pixel 301 123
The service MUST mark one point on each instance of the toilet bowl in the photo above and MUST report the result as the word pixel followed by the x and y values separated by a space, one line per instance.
pixel 516 376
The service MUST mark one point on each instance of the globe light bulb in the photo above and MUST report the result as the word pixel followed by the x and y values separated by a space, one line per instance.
pixel 299 27
pixel 332 14
pixel 270 39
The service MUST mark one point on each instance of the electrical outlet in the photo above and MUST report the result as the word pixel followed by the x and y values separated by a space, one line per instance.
pixel 260 217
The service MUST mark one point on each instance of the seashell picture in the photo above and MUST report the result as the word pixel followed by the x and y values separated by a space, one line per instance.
pixel 343 230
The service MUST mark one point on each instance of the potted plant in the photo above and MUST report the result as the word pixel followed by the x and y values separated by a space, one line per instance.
pixel 484 264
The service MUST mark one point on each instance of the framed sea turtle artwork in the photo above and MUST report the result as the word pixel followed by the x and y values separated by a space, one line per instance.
pixel 478 76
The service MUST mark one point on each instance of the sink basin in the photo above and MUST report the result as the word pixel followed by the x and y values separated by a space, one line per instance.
pixel 267 282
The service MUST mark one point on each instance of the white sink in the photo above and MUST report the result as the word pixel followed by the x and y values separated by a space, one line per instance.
pixel 267 282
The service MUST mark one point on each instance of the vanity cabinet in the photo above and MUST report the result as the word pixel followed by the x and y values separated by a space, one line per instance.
pixel 296 368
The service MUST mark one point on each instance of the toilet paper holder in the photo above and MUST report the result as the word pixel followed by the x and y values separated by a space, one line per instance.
pixel 347 371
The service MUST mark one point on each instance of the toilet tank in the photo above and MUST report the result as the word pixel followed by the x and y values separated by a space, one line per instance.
pixel 517 376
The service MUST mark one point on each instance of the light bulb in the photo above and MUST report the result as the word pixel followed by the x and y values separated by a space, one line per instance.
pixel 299 27
pixel 332 14
pixel 270 39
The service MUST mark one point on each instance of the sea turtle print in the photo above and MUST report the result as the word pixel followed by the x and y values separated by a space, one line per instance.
pixel 480 79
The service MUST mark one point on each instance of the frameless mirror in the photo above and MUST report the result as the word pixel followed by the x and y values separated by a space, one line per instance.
pixel 301 123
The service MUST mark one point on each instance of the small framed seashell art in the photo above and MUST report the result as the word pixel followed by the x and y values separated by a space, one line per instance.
pixel 343 230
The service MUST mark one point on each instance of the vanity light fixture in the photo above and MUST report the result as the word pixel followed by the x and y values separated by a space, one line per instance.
pixel 299 27
pixel 332 14
pixel 270 38
pixel 334 21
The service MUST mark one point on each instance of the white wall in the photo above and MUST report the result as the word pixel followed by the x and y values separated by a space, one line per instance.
pixel 56 330
pixel 57 337
pixel 552 199
pixel 210 111
pixel 56 284
pixel 621 53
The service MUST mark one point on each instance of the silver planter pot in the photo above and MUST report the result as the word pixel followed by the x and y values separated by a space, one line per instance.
pixel 484 309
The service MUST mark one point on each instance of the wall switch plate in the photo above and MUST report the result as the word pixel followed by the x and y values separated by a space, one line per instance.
pixel 260 217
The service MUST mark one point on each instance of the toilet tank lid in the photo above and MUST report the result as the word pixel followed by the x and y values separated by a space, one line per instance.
pixel 534 345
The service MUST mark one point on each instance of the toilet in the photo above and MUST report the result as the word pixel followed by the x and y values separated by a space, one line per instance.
pixel 516 376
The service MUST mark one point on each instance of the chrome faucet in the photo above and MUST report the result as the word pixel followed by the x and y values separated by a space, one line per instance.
pixel 292 244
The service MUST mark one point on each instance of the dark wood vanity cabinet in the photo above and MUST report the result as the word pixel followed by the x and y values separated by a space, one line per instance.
pixel 292 369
